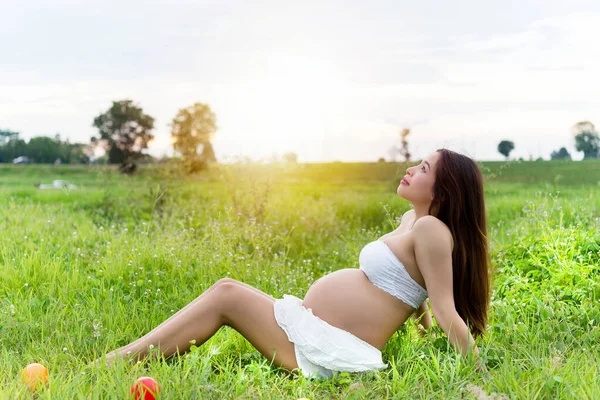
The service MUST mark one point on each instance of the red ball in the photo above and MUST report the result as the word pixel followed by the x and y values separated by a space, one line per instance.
pixel 145 388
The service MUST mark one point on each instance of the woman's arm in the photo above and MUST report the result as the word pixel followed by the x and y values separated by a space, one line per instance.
pixel 433 251
pixel 456 330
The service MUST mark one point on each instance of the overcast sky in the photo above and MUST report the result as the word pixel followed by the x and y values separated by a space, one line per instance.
pixel 329 80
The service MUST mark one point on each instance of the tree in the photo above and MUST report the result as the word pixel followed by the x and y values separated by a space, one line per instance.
pixel 6 136
pixel 191 128
pixel 586 139
pixel 11 146
pixel 505 147
pixel 290 157
pixel 561 154
pixel 115 155
pixel 43 149
pixel 404 149
pixel 74 153
pixel 124 132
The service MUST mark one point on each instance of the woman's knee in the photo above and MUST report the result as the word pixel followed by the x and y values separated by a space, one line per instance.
pixel 219 286
pixel 226 298
pixel 225 289
pixel 225 281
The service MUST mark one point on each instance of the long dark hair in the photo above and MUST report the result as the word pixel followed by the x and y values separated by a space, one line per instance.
pixel 458 202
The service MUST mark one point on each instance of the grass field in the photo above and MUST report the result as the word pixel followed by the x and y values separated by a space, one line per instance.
pixel 88 270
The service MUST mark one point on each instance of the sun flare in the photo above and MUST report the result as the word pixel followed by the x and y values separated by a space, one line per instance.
pixel 290 104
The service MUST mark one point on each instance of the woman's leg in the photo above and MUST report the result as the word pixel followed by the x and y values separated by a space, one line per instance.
pixel 246 309
pixel 210 289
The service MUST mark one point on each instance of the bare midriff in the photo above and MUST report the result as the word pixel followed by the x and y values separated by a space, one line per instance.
pixel 347 300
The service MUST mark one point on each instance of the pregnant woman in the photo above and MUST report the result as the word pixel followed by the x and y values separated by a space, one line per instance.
pixel 439 251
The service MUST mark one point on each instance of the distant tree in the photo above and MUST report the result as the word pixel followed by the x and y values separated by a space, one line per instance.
pixel 11 146
pixel 290 158
pixel 561 154
pixel 115 155
pixel 43 149
pixel 586 139
pixel 124 132
pixel 505 147
pixel 191 128
pixel 404 144
pixel 381 160
pixel 6 136
pixel 394 150
pixel 76 153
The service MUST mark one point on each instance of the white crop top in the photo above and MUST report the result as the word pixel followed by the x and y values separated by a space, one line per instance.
pixel 385 271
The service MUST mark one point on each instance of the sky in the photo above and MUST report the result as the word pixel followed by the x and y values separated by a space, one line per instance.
pixel 328 80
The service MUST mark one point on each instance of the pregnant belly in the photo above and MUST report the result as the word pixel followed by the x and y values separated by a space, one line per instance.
pixel 348 300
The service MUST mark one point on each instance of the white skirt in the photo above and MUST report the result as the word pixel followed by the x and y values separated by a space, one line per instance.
pixel 322 349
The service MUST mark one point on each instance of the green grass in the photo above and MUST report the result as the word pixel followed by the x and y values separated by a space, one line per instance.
pixel 88 270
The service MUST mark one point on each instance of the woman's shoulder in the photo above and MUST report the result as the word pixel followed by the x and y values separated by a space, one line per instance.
pixel 431 222
pixel 433 228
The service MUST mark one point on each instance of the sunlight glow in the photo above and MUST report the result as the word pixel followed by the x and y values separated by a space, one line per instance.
pixel 290 104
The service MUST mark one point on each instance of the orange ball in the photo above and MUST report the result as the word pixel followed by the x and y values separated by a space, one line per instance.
pixel 35 376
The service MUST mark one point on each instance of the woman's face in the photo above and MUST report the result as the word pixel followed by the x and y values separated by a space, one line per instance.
pixel 417 185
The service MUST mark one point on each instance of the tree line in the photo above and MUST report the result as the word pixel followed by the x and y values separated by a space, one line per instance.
pixel 587 140
pixel 41 149
pixel 124 131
